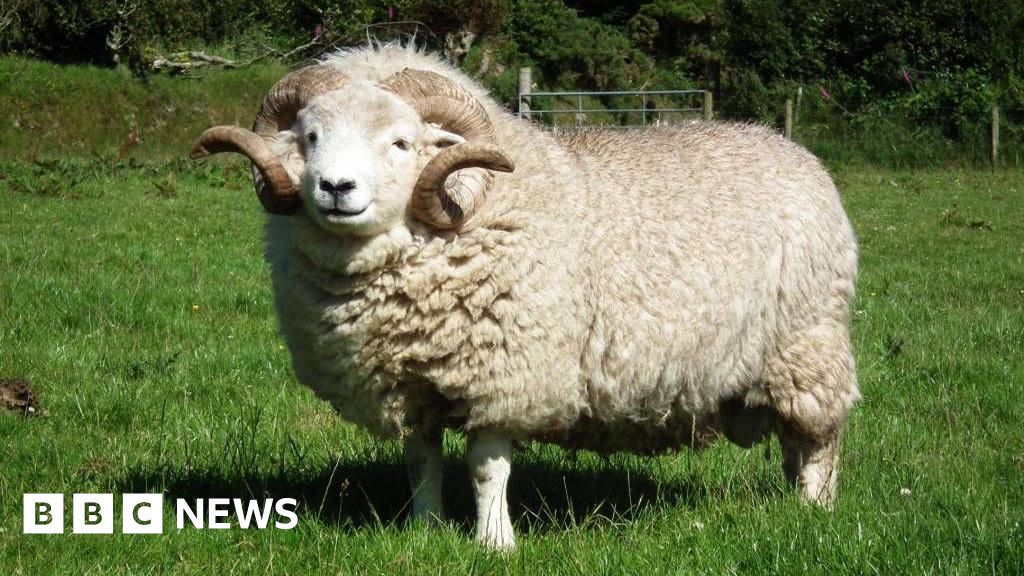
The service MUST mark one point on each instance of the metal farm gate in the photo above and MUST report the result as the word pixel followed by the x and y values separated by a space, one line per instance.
pixel 616 109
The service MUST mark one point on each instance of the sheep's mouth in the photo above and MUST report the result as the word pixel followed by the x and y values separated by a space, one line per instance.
pixel 343 213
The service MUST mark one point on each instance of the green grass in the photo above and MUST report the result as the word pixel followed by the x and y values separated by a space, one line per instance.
pixel 135 298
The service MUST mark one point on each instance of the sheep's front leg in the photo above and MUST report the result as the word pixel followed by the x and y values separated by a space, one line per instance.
pixel 490 462
pixel 424 463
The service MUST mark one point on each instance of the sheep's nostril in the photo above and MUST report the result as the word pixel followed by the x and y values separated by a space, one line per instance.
pixel 337 188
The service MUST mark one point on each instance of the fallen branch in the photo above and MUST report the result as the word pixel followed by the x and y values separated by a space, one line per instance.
pixel 314 42
pixel 183 61
pixel 186 62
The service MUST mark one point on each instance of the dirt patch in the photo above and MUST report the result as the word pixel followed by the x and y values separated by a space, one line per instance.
pixel 16 394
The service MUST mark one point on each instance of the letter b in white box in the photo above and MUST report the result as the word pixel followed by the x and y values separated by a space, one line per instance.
pixel 92 514
pixel 42 513
pixel 142 513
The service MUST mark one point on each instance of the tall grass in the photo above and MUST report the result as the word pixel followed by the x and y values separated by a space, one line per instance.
pixel 56 111
pixel 899 139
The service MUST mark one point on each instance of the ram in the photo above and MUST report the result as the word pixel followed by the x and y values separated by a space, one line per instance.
pixel 437 263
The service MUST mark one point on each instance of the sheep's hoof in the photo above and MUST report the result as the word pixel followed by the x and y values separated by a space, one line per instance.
pixel 500 541
pixel 810 465
pixel 820 491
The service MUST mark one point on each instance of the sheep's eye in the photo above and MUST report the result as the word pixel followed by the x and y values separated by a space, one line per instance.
pixel 311 137
pixel 401 144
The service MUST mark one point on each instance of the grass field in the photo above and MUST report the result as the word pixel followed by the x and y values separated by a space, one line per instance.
pixel 135 298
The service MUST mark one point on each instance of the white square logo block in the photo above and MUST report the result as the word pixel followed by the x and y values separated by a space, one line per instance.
pixel 43 513
pixel 142 513
pixel 92 514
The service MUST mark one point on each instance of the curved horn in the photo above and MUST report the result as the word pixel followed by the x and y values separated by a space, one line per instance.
pixel 447 204
pixel 282 103
pixel 277 112
pixel 440 199
pixel 274 187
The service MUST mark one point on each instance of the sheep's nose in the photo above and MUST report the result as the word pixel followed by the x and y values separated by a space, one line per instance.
pixel 337 188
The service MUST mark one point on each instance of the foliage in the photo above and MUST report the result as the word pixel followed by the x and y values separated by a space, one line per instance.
pixel 106 32
pixel 941 62
pixel 573 51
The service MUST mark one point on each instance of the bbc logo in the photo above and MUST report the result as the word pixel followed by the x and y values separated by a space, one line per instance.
pixel 93 513
pixel 144 513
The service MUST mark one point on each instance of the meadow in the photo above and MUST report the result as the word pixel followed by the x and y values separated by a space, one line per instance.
pixel 134 296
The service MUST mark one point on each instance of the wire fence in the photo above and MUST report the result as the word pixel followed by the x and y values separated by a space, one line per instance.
pixel 619 109
pixel 930 136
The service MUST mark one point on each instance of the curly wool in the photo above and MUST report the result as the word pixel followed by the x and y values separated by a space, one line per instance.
pixel 617 285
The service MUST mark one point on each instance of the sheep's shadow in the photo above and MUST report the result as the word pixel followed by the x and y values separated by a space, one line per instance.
pixel 544 493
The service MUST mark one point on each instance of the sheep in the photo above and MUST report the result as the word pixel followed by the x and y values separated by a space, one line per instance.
pixel 438 263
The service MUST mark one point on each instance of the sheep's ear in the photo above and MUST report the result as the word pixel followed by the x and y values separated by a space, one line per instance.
pixel 442 138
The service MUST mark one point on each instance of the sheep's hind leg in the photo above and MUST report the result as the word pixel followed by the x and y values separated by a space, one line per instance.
pixel 811 387
pixel 424 464
pixel 810 464
pixel 490 463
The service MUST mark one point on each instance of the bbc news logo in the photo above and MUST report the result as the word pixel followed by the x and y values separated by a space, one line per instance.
pixel 144 513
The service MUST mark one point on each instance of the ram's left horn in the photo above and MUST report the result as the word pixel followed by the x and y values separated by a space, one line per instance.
pixel 454 184
pixel 454 200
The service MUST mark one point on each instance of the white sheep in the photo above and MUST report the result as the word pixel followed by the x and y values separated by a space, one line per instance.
pixel 635 291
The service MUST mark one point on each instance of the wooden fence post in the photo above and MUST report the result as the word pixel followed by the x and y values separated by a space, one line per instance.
pixel 525 87
pixel 995 135
pixel 708 111
pixel 796 108
pixel 789 118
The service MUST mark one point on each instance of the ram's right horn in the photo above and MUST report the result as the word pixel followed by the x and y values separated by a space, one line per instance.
pixel 278 111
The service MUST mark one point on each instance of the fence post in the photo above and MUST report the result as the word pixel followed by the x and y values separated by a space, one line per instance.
pixel 796 108
pixel 789 118
pixel 708 113
pixel 525 87
pixel 995 135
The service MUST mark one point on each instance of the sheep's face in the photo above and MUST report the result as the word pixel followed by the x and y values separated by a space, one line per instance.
pixel 362 149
